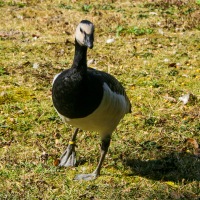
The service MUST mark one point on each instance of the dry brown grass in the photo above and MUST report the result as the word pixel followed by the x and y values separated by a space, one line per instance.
pixel 156 57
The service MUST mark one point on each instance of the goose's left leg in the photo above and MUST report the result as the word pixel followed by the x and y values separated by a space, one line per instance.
pixel 104 149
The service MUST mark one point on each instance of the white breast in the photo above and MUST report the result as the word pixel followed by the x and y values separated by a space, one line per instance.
pixel 106 117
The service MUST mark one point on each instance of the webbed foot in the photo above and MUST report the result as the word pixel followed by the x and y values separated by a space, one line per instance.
pixel 68 159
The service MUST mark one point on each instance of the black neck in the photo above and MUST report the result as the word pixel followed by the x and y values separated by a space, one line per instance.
pixel 80 59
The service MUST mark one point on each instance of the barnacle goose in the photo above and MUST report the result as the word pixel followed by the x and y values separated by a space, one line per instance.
pixel 88 99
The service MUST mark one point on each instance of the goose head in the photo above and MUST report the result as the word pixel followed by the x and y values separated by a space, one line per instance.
pixel 85 34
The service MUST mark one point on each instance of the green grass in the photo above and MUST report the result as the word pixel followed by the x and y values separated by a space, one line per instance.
pixel 155 56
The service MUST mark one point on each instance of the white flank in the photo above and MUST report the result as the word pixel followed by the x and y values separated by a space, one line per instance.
pixel 106 117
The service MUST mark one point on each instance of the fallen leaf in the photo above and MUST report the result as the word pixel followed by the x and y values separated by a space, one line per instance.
pixel 185 98
pixel 20 17
pixel 153 13
pixel 56 162
pixel 160 31
pixel 172 184
pixel 192 142
pixel 35 36
pixel 166 60
pixel 172 65
pixel 35 65
pixel 110 40
pixel 168 98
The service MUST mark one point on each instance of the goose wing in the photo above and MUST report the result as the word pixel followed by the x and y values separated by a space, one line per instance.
pixel 112 83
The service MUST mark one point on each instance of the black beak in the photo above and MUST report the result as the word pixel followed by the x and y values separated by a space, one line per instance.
pixel 89 39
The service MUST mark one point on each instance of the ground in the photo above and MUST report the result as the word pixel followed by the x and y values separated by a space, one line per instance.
pixel 154 52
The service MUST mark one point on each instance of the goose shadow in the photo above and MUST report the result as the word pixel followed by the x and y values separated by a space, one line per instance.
pixel 176 167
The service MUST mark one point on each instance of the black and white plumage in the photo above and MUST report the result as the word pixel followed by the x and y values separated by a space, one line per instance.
pixel 88 99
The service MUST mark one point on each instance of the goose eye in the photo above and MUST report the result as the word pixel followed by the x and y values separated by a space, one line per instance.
pixel 81 30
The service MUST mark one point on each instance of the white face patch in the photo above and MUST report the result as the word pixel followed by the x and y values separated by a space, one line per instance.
pixel 106 117
pixel 80 36
pixel 87 28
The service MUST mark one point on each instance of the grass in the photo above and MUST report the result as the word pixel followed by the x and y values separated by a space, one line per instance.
pixel 155 55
